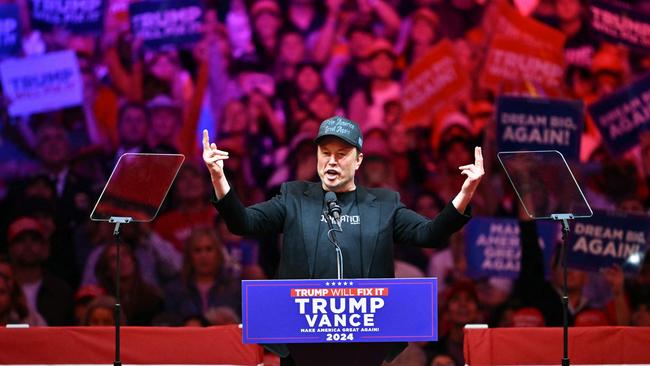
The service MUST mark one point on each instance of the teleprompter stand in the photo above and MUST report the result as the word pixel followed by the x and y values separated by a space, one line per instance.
pixel 134 193
pixel 547 189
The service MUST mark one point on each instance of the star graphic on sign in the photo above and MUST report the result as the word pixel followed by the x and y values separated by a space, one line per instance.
pixel 345 283
pixel 350 283
pixel 327 283
pixel 339 283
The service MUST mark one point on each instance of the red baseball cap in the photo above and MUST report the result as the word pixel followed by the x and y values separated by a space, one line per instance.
pixel 528 317
pixel 591 318
pixel 89 291
pixel 24 224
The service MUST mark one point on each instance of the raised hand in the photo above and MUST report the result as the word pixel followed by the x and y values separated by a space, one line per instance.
pixel 615 278
pixel 213 157
pixel 474 172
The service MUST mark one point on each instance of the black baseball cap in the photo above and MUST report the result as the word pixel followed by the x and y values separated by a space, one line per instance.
pixel 342 128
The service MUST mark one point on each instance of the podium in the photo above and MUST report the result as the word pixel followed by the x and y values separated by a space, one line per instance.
pixel 339 322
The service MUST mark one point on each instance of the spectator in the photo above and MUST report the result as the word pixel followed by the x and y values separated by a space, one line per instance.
pixel 132 128
pixel 101 312
pixel 442 360
pixel 190 208
pixel 158 260
pixel 82 298
pixel 72 191
pixel 140 301
pixel 460 309
pixel 291 52
pixel 205 283
pixel 367 105
pixel 532 289
pixel 13 307
pixel 166 118
pixel 422 35
pixel 48 297
pixel 267 20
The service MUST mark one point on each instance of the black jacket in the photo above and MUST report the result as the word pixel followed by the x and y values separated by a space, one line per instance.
pixel 296 212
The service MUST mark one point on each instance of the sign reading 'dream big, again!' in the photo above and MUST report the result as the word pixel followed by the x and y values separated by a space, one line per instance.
pixel 539 124
pixel 622 115
pixel 41 83
pixel 351 310
pixel 608 239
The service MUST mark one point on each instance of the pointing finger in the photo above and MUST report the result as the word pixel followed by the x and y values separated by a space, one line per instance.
pixel 478 157
pixel 206 140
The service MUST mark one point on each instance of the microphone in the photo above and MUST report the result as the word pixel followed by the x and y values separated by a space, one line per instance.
pixel 333 208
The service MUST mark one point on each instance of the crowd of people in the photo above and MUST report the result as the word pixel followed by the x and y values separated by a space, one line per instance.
pixel 261 79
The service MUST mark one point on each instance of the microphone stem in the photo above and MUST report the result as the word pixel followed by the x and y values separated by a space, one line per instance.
pixel 339 263
pixel 331 235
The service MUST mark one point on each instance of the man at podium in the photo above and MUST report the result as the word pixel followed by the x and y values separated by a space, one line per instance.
pixel 370 219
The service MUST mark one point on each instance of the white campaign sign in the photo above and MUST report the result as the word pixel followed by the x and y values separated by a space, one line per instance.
pixel 41 83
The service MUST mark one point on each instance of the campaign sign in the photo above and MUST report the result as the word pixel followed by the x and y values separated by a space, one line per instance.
pixel 539 124
pixel 509 60
pixel 607 239
pixel 352 310
pixel 509 22
pixel 79 16
pixel 9 29
pixel 493 247
pixel 621 115
pixel 433 80
pixel 166 22
pixel 617 22
pixel 41 83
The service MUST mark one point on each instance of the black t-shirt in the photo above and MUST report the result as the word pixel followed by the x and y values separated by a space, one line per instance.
pixel 349 241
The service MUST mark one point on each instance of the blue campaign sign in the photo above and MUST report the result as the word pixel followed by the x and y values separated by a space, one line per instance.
pixel 41 83
pixel 620 116
pixel 607 239
pixel 352 310
pixel 78 16
pixel 166 22
pixel 9 30
pixel 539 124
pixel 493 249
pixel 617 22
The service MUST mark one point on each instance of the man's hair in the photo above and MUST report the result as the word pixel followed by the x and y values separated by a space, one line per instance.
pixel 132 105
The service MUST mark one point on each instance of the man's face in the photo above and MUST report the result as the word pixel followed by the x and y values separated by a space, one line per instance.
pixel 29 249
pixel 53 147
pixel 205 256
pixel 463 308
pixel 133 127
pixel 337 163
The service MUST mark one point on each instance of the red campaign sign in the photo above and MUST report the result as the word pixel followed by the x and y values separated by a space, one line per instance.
pixel 432 82
pixel 510 23
pixel 509 60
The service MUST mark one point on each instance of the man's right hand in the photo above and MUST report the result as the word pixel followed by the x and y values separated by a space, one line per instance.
pixel 213 158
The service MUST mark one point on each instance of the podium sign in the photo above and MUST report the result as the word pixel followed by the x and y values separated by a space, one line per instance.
pixel 330 311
